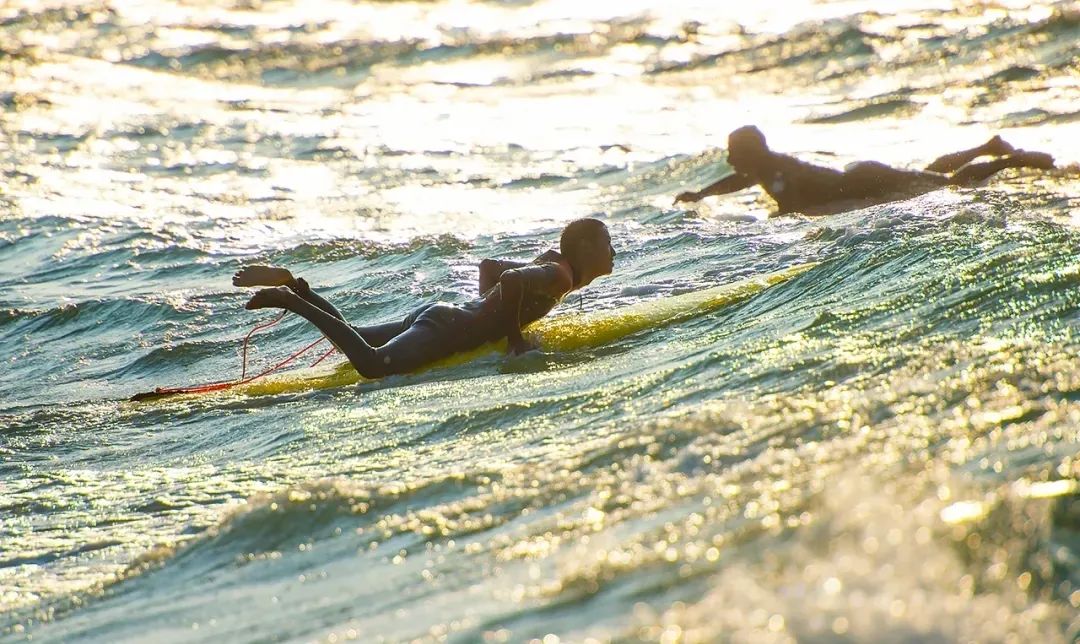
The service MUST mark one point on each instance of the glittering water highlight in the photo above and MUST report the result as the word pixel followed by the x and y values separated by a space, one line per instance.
pixel 883 448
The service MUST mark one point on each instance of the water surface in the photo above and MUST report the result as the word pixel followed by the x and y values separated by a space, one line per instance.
pixel 881 449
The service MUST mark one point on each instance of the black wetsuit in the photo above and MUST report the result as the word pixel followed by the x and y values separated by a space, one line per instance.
pixel 797 185
pixel 433 331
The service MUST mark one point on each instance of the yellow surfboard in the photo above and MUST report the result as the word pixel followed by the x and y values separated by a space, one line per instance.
pixel 557 333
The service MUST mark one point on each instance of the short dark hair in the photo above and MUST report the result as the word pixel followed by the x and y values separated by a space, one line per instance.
pixel 747 134
pixel 576 232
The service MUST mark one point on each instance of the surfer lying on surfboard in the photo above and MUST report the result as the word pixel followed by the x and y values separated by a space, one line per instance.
pixel 798 186
pixel 512 295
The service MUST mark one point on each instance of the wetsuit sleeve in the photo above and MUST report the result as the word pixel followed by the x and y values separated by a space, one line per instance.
pixel 515 283
pixel 730 183
pixel 492 269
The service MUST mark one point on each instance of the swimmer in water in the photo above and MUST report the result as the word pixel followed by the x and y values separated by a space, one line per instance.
pixel 802 187
pixel 512 295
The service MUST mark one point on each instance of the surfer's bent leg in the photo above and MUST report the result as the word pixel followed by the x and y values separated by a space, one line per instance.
pixel 362 356
pixel 376 335
pixel 301 288
pixel 995 147
pixel 976 172
pixel 420 343
pixel 379 334
pixel 262 275
pixel 429 334
pixel 871 180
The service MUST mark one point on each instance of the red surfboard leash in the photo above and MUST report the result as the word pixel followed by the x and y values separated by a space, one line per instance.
pixel 244 379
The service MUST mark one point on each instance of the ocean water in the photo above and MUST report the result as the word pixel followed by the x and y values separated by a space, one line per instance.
pixel 882 449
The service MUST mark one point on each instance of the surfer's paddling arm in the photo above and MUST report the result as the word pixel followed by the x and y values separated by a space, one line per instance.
pixel 492 269
pixel 553 280
pixel 731 183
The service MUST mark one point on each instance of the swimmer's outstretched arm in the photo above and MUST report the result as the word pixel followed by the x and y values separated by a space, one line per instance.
pixel 730 183
pixel 260 275
pixel 492 269
pixel 546 278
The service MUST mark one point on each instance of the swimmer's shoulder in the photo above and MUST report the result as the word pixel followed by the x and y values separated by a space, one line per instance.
pixel 562 276
pixel 790 166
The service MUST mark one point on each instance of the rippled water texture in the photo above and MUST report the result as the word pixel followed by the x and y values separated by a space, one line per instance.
pixel 881 449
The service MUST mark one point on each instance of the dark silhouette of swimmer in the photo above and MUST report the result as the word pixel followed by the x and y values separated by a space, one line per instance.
pixel 512 295
pixel 802 187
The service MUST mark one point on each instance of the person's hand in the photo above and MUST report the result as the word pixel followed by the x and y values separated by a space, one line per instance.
pixel 687 196
pixel 521 346
pixel 262 276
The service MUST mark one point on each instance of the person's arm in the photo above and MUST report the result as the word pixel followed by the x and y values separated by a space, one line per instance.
pixel 538 277
pixel 492 269
pixel 730 183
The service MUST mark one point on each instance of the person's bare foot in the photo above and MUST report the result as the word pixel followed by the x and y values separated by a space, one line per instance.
pixel 1040 160
pixel 270 298
pixel 262 276
pixel 997 147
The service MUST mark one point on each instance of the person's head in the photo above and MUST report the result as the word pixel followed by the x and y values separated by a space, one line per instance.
pixel 747 148
pixel 586 245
